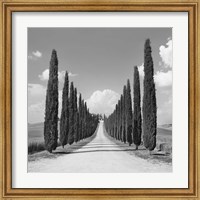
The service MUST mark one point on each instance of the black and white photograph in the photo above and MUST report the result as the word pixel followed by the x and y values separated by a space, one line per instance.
pixel 99 100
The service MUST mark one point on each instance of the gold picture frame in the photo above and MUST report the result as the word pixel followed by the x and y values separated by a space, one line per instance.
pixel 10 6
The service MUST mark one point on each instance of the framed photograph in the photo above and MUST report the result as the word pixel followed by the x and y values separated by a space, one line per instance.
pixel 99 99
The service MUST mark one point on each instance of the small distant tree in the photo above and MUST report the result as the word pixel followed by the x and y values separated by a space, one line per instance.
pixel 129 114
pixel 137 119
pixel 51 107
pixel 64 119
pixel 71 115
pixel 149 101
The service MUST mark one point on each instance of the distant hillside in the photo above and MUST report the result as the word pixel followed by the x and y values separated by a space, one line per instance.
pixel 166 126
pixel 36 132
pixel 164 131
pixel 35 125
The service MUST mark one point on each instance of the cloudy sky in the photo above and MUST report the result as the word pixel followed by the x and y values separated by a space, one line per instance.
pixel 99 62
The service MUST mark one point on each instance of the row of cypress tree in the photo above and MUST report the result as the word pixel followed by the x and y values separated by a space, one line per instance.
pixel 121 122
pixel 126 125
pixel 76 122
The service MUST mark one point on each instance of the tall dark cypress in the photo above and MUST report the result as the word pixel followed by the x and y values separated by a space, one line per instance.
pixel 137 119
pixel 71 115
pixel 76 124
pixel 121 118
pixel 64 119
pixel 118 120
pixel 124 115
pixel 83 120
pixel 129 114
pixel 149 101
pixel 80 110
pixel 86 120
pixel 51 107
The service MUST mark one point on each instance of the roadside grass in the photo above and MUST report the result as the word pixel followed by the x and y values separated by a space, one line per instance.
pixel 162 152
pixel 60 151
pixel 34 147
pixel 155 156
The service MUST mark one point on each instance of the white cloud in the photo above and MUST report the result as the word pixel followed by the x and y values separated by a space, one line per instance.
pixel 72 75
pixel 166 54
pixel 36 110
pixel 103 101
pixel 141 70
pixel 163 79
pixel 166 92
pixel 37 107
pixel 30 57
pixel 165 111
pixel 61 75
pixel 36 89
pixel 37 53
pixel 45 75
pixel 36 102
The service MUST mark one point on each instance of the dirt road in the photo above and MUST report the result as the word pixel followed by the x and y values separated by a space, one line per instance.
pixel 101 155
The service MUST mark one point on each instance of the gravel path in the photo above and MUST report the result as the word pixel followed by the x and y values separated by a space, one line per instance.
pixel 101 155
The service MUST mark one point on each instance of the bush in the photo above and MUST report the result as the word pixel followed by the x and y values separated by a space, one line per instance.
pixel 35 147
pixel 165 147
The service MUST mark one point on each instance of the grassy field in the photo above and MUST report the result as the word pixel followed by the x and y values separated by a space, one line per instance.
pixel 36 137
pixel 35 133
pixel 164 135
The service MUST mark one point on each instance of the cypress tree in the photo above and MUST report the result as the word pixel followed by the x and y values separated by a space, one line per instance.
pixel 83 120
pixel 76 123
pixel 137 119
pixel 77 128
pixel 124 115
pixel 80 118
pixel 118 120
pixel 121 118
pixel 71 115
pixel 149 101
pixel 64 119
pixel 115 122
pixel 128 113
pixel 86 120
pixel 51 107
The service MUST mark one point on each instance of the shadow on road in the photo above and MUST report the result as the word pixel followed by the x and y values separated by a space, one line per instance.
pixel 61 151
pixel 97 150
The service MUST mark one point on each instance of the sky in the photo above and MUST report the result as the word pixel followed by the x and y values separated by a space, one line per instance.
pixel 99 62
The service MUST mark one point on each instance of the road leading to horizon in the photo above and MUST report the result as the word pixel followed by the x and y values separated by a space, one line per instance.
pixel 101 155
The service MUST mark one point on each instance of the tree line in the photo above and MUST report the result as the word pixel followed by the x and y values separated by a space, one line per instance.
pixel 125 123
pixel 76 122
